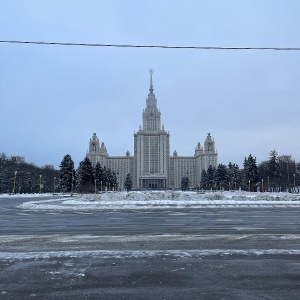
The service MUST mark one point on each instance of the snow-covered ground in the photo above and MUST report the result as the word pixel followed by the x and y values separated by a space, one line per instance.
pixel 160 199
pixel 104 254
pixel 24 195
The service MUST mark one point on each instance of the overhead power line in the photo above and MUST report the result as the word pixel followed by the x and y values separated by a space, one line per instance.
pixel 153 46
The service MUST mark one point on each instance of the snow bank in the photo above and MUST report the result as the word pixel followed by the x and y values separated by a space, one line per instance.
pixel 188 196
pixel 24 195
pixel 115 254
pixel 164 199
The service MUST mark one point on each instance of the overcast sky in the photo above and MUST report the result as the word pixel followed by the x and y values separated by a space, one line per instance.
pixel 52 98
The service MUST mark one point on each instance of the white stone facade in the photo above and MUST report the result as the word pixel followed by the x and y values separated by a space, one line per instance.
pixel 151 165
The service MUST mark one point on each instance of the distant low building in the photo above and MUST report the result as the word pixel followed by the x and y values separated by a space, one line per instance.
pixel 286 159
pixel 17 158
pixel 49 167
pixel 151 165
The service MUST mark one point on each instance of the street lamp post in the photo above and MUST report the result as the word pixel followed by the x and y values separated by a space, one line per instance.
pixel 117 183
pixel 262 185
pixel 294 181
pixel 249 186
pixel 14 187
pixel 268 184
pixel 101 186
pixel 41 184
pixel 95 186
pixel 72 182
pixel 288 173
pixel 54 185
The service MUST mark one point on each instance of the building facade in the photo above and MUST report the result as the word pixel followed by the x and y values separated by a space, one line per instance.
pixel 151 165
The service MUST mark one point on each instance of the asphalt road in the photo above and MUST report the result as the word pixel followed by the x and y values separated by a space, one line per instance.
pixel 210 253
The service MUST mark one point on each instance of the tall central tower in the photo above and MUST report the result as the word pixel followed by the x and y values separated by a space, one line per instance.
pixel 151 147
pixel 151 115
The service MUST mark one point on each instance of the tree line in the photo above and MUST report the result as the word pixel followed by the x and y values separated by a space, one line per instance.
pixel 87 179
pixel 23 177
pixel 278 173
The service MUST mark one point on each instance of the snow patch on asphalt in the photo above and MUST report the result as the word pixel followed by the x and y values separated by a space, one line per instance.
pixel 107 254
pixel 66 238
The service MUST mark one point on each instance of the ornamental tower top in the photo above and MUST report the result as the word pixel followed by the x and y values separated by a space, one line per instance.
pixel 151 114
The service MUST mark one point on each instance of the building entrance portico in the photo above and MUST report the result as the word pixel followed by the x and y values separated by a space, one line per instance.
pixel 153 183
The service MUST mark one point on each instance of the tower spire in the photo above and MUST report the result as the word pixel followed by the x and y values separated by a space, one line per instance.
pixel 151 82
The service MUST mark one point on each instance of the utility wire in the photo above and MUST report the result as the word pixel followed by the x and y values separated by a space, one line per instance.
pixel 153 46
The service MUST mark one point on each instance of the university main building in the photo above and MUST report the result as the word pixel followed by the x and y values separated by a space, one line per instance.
pixel 151 166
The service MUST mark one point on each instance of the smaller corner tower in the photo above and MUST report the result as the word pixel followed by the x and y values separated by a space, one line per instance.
pixel 209 144
pixel 94 144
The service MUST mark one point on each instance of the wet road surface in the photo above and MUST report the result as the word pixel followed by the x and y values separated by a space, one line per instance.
pixel 210 253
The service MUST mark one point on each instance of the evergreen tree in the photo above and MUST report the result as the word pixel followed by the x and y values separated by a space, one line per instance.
pixel 185 183
pixel 85 172
pixel 3 159
pixel 250 172
pixel 100 176
pixel 297 176
pixel 86 176
pixel 273 168
pixel 98 173
pixel 105 177
pixel 263 172
pixel 114 180
pixel 128 183
pixel 234 175
pixel 110 179
pixel 211 177
pixel 67 175
pixel 222 175
pixel 203 182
